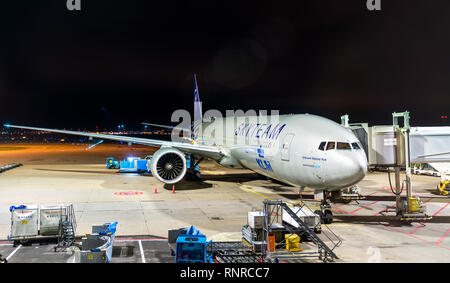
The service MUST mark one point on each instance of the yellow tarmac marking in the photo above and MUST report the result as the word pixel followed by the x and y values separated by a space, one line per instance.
pixel 214 172
pixel 250 190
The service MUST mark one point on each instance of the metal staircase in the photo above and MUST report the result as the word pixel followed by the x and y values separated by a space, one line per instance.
pixel 272 208
pixel 67 228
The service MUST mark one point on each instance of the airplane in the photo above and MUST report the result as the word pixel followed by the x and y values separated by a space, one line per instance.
pixel 303 150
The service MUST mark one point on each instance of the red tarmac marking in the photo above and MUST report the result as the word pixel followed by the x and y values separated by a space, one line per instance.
pixel 366 206
pixel 141 239
pixel 443 236
pixel 129 193
pixel 440 210
pixel 415 237
pixel 410 235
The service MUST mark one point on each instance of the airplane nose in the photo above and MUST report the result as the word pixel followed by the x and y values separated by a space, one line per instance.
pixel 359 167
pixel 351 170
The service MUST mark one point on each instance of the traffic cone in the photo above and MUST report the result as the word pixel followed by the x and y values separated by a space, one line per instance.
pixel 173 189
pixel 156 190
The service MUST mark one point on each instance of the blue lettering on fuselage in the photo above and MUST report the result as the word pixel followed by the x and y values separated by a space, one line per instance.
pixel 265 131
pixel 260 151
pixel 264 164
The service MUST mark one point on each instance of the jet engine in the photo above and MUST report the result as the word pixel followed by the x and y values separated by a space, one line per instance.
pixel 168 165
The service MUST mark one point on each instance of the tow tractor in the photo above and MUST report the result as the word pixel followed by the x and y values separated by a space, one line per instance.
pixel 111 163
pixel 192 247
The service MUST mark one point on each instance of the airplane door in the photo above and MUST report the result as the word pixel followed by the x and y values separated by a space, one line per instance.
pixel 286 147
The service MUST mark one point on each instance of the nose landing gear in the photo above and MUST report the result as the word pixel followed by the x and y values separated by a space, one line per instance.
pixel 325 212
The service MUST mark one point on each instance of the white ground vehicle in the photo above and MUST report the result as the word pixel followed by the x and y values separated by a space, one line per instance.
pixel 425 169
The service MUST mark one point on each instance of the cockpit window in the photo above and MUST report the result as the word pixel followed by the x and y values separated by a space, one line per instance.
pixel 331 145
pixel 343 145
pixel 355 145
pixel 322 145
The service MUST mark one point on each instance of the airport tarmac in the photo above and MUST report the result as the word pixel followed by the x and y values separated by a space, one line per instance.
pixel 217 206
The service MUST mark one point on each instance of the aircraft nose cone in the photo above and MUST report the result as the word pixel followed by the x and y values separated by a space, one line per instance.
pixel 358 168
pixel 350 170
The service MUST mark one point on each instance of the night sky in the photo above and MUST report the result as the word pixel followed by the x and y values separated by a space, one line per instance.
pixel 133 61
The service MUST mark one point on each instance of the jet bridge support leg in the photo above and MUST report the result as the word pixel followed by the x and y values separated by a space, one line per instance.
pixel 410 209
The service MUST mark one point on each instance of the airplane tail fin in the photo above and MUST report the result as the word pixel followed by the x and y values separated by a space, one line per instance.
pixel 197 110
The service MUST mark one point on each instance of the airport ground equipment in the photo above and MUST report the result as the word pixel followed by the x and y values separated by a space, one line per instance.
pixel 425 169
pixel 97 247
pixel 134 165
pixel 273 213
pixel 24 223
pixel 308 216
pixel 234 252
pixel 347 195
pixel 9 167
pixel 444 188
pixel 3 260
pixel 33 223
pixel 193 247
pixel 112 164
pixel 189 245
pixel 443 169
pixel 66 228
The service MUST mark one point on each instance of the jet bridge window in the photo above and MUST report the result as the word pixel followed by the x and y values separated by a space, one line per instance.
pixel 356 145
pixel 343 145
pixel 322 145
pixel 331 145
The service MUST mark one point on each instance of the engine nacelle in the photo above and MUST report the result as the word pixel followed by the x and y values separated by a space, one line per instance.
pixel 168 165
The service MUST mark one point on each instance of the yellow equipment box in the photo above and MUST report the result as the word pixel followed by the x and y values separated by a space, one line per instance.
pixel 413 204
pixel 293 243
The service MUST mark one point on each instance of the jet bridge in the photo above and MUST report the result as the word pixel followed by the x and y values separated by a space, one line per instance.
pixel 395 146
pixel 426 144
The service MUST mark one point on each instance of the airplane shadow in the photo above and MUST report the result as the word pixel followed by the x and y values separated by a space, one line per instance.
pixel 237 177
pixel 187 186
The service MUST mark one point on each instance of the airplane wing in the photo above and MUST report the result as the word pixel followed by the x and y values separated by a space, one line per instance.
pixel 202 150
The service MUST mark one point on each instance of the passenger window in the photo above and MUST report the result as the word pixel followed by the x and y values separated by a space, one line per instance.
pixel 322 145
pixel 343 145
pixel 356 145
pixel 331 145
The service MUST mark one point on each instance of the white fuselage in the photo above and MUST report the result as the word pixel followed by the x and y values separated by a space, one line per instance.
pixel 291 149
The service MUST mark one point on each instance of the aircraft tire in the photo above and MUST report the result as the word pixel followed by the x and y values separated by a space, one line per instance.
pixel 328 217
